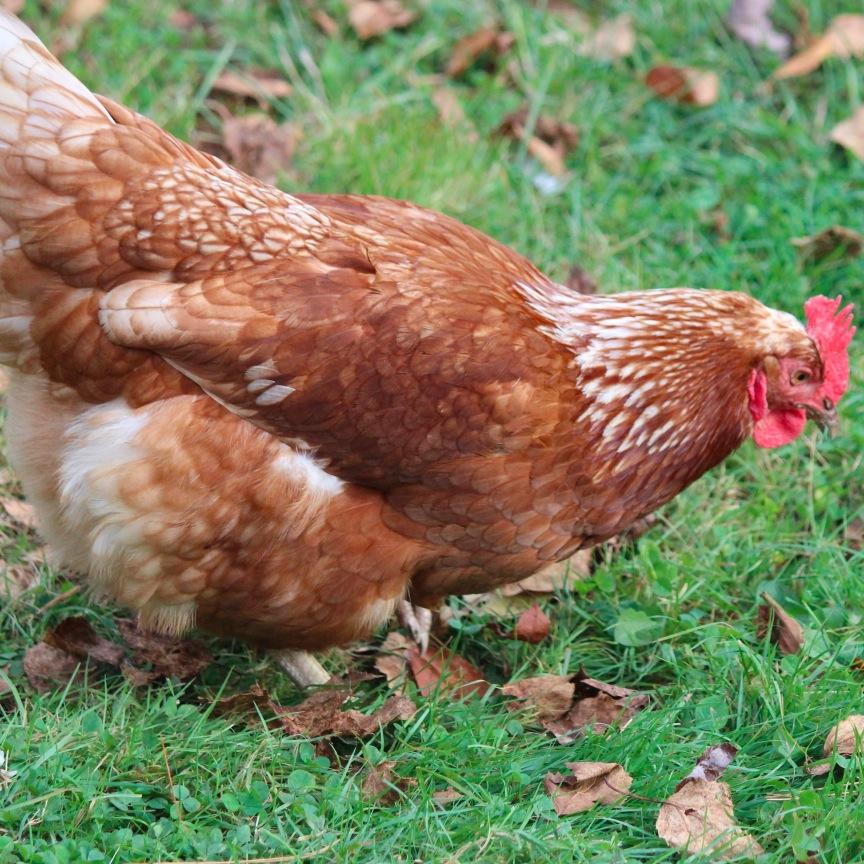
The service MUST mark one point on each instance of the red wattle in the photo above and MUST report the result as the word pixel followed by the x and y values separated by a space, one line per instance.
pixel 777 428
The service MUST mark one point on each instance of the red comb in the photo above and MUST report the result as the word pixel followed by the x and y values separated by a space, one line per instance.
pixel 832 332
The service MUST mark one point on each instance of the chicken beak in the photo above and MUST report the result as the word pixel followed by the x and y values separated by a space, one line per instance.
pixel 825 418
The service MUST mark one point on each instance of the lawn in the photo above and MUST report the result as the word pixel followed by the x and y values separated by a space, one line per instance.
pixel 114 773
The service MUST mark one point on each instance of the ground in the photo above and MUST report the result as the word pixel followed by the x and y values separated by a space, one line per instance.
pixel 112 773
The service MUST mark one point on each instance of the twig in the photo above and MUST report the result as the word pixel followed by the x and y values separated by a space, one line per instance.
pixel 174 800
pixel 54 601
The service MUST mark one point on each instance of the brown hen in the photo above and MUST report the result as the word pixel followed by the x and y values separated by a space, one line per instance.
pixel 276 416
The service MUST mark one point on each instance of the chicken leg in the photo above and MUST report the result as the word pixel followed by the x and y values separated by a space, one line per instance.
pixel 302 667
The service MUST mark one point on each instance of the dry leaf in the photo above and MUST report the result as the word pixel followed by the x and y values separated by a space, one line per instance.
pixel 168 656
pixel 320 714
pixel 327 24
pixel 260 85
pixel 786 632
pixel 80 11
pixel 370 18
pixel 855 533
pixel 821 245
pixel 182 19
pixel 16 579
pixel 567 707
pixel 684 84
pixel 447 104
pixel 568 13
pixel 46 667
pixel 847 737
pixel 711 764
pixel 76 636
pixel 489 42
pixel 844 38
pixel 579 281
pixel 749 21
pixel 451 674
pixel 549 695
pixel 549 141
pixel 259 146
pixel 699 817
pixel 849 133
pixel 589 783
pixel 533 625
pixel 446 796
pixel 392 658
pixel 21 511
pixel 612 40
pixel 382 785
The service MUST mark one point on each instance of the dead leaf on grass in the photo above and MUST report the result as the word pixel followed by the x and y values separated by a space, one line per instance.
pixel 168 656
pixel 76 636
pixel 80 11
pixel 16 579
pixel 817 246
pixel 488 42
pixel 369 18
pixel 568 13
pixel 569 706
pixel 786 633
pixel 182 19
pixel 327 25
pixel 847 737
pixel 259 146
pixel 844 38
pixel 446 796
pixel 684 84
pixel 46 667
pixel 392 658
pixel 589 783
pixel 548 142
pixel 699 816
pixel 849 133
pixel 533 625
pixel 855 533
pixel 612 40
pixel 749 21
pixel 382 785
pixel 21 511
pixel 440 669
pixel 259 85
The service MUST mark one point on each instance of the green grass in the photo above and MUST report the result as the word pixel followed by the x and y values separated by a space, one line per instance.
pixel 96 766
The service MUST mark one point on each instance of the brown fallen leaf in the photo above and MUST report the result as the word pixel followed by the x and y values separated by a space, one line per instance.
pixel 78 12
pixel 369 18
pixel 589 783
pixel 319 715
pixel 259 85
pixel 182 19
pixel 847 737
pixel 549 142
pixel 612 40
pixel 581 282
pixel 446 796
pixel 786 633
pixel 168 656
pixel 47 667
pixel 817 246
pixel 855 533
pixel 21 511
pixel 392 658
pixel 326 24
pixel 382 785
pixel 76 636
pixel 447 672
pixel 849 133
pixel 844 38
pixel 684 84
pixel 16 579
pixel 749 21
pixel 488 42
pixel 568 707
pixel 568 13
pixel 533 625
pixel 699 816
pixel 259 146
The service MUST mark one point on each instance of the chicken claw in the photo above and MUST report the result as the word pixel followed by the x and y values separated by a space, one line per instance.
pixel 302 667
pixel 418 620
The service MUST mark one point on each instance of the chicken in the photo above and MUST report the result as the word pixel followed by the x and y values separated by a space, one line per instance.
pixel 276 417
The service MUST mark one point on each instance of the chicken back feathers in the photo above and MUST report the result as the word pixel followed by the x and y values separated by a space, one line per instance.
pixel 276 415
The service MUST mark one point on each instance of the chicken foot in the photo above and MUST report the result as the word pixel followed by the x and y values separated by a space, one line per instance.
pixel 418 621
pixel 302 667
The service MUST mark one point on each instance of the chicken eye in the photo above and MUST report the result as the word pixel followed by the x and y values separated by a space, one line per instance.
pixel 802 376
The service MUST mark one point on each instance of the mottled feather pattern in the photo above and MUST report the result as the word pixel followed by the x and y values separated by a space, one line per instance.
pixel 275 415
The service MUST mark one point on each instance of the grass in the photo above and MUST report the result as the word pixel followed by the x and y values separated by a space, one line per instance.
pixel 113 774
